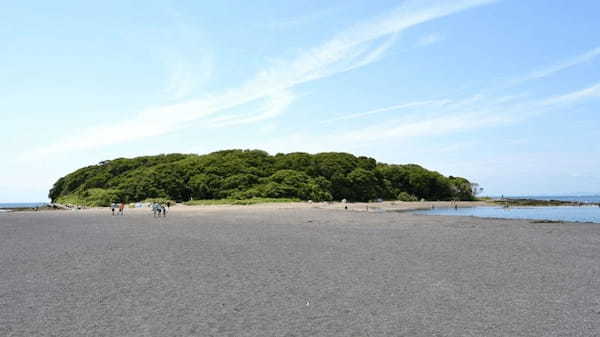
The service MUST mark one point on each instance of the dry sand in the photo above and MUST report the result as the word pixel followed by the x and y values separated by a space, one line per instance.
pixel 295 270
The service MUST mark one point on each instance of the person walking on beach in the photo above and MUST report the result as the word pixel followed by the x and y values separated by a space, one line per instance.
pixel 164 211
pixel 121 208
pixel 154 209
pixel 168 204
pixel 113 206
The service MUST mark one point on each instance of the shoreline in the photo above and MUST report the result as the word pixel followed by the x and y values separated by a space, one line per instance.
pixel 540 203
pixel 393 206
pixel 360 207
pixel 355 206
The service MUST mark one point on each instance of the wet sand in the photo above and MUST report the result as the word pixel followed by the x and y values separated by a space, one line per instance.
pixel 295 270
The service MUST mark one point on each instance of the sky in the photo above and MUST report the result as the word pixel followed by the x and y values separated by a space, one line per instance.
pixel 505 93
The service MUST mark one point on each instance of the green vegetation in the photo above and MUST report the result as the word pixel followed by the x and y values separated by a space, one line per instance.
pixel 158 200
pixel 90 197
pixel 403 196
pixel 254 175
pixel 252 201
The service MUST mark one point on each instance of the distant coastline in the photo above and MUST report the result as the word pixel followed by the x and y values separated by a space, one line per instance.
pixel 567 197
pixel 21 206
pixel 551 200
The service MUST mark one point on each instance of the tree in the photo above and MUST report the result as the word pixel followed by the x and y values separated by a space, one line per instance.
pixel 205 186
pixel 476 189
pixel 364 185
pixel 255 173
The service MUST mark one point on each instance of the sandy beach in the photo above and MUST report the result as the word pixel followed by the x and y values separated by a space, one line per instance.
pixel 295 270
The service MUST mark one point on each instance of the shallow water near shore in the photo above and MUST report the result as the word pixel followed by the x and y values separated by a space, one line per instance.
pixel 567 198
pixel 9 207
pixel 21 205
pixel 559 213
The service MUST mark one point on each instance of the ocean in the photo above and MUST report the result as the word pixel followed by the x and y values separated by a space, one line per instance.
pixel 5 207
pixel 583 198
pixel 584 213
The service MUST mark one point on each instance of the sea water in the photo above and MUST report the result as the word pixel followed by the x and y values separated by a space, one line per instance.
pixel 569 198
pixel 555 213
pixel 22 204
pixel 6 207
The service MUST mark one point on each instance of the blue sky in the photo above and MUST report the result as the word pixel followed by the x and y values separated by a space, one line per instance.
pixel 505 93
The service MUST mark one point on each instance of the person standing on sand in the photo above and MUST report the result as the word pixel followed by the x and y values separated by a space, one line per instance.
pixel 121 208
pixel 168 204
pixel 155 209
pixel 113 206
pixel 164 211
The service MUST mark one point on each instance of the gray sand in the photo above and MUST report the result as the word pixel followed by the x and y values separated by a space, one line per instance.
pixel 295 272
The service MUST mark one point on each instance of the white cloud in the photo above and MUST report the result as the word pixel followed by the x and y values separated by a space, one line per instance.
pixel 374 55
pixel 184 76
pixel 409 105
pixel 438 125
pixel 555 68
pixel 347 50
pixel 429 39
pixel 274 106
pixel 185 53
pixel 576 96
pixel 446 116
pixel 434 118
pixel 296 21
pixel 441 117
pixel 179 81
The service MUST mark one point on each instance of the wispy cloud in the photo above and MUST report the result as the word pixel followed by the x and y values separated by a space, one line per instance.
pixel 373 55
pixel 558 67
pixel 438 125
pixel 440 117
pixel 573 97
pixel 402 106
pixel 434 118
pixel 180 81
pixel 429 39
pixel 183 76
pixel 274 106
pixel 349 49
pixel 186 55
pixel 295 21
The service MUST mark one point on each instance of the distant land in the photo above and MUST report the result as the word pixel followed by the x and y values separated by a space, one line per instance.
pixel 247 174
pixel 575 198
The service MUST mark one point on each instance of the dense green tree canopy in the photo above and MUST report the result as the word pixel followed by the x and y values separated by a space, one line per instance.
pixel 242 174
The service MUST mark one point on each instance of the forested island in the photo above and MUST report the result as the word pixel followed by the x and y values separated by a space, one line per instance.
pixel 247 174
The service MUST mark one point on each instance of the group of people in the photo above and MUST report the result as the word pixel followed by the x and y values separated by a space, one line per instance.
pixel 158 209
pixel 121 207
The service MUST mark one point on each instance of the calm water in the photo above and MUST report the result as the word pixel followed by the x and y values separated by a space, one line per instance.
pixel 574 198
pixel 4 207
pixel 562 213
